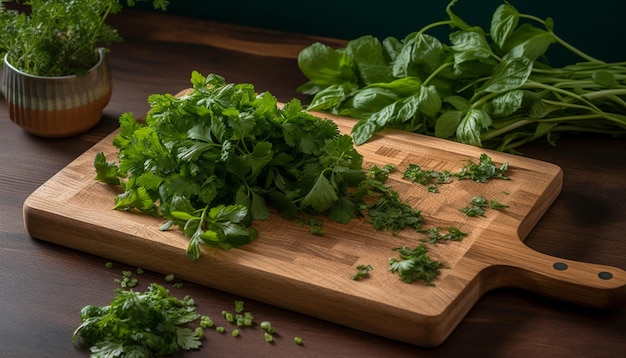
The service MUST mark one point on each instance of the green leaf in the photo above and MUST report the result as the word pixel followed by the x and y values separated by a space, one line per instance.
pixel 421 51
pixel 258 207
pixel 457 21
pixel 469 129
pixel 363 130
pixel 503 22
pixel 321 196
pixel 510 74
pixel 187 339
pixel 507 103
pixel 447 123
pixel 604 78
pixel 371 65
pixel 470 45
pixel 429 100
pixel 370 100
pixel 401 87
pixel 528 41
pixel 106 172
pixel 459 103
pixel 325 66
pixel 331 97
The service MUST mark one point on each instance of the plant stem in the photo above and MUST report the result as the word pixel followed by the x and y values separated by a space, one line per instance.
pixel 561 41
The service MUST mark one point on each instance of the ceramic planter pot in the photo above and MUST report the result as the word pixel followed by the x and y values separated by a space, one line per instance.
pixel 57 106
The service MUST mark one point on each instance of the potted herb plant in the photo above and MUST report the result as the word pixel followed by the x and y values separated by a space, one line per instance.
pixel 56 77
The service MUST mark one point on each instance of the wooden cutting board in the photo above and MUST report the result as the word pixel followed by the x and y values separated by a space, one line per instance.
pixel 290 268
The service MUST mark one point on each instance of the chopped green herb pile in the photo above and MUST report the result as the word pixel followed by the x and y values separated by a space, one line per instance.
pixel 139 324
pixel 479 204
pixel 435 235
pixel 427 177
pixel 362 271
pixel 210 162
pixel 388 211
pixel 415 265
pixel 482 171
pixel 492 88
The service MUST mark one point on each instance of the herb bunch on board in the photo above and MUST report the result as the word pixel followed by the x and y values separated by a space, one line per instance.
pixel 493 89
pixel 60 37
pixel 212 160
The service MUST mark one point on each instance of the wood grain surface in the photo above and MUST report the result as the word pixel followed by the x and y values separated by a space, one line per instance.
pixel 288 267
pixel 43 286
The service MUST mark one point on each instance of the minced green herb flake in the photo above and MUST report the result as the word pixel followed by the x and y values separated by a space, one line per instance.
pixel 415 265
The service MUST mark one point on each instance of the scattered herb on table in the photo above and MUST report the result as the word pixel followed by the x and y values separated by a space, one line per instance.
pixel 477 206
pixel 362 271
pixel 139 324
pixel 494 204
pixel 127 280
pixel 415 265
pixel 427 177
pixel 483 171
pixel 491 88
pixel 435 234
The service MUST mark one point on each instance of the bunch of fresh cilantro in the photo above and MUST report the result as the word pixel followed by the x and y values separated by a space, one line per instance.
pixel 213 160
pixel 494 89
pixel 139 324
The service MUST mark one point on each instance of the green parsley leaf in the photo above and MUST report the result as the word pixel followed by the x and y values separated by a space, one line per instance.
pixel 139 324
pixel 482 171
pixel 415 265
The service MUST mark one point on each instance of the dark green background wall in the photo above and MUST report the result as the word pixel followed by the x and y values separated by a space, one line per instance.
pixel 595 26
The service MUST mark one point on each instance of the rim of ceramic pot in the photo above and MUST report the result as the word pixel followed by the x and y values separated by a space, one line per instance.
pixel 101 51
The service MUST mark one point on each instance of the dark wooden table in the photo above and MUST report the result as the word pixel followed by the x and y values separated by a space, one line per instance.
pixel 44 286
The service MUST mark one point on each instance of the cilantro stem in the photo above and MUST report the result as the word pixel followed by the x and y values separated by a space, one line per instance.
pixel 560 40
pixel 436 72
pixel 433 25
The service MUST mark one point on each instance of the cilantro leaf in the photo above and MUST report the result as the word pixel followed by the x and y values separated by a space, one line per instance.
pixel 138 324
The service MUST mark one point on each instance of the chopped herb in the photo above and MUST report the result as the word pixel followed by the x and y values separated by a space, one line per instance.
pixel 108 265
pixel 415 265
pixel 127 280
pixel 220 329
pixel 228 316
pixel 297 340
pixel 238 306
pixel 363 271
pixel 482 171
pixel 436 236
pixel 169 278
pixel 428 178
pixel 380 174
pixel 497 205
pixel 235 333
pixel 477 207
pixel 206 322
pixel 268 337
pixel 265 325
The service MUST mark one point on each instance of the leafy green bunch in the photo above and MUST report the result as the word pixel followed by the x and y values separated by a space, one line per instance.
pixel 212 160
pixel 59 37
pixel 493 89
pixel 139 324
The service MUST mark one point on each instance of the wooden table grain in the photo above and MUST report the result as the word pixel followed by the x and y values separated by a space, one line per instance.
pixel 44 286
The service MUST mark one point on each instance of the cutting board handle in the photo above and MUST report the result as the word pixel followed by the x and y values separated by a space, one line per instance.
pixel 513 264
